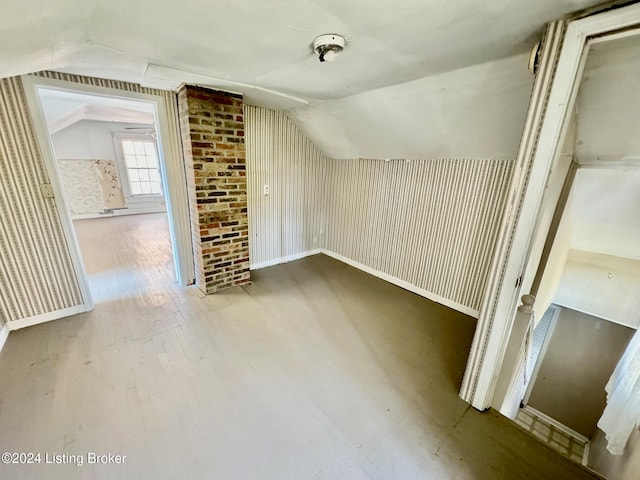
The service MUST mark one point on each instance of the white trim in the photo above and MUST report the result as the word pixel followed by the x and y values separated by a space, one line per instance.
pixel 173 174
pixel 371 271
pixel 288 258
pixel 4 334
pixel 556 424
pixel 597 315
pixel 118 212
pixel 499 304
pixel 404 284
pixel 45 317
pixel 123 170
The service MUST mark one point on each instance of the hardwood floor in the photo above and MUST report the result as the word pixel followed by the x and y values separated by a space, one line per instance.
pixel 126 255
pixel 314 371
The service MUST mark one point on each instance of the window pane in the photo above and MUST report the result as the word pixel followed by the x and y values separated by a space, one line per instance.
pixel 127 147
pixel 152 161
pixel 149 149
pixel 131 161
pixel 142 166
pixel 139 147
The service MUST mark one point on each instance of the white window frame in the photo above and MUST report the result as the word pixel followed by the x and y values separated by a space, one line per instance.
pixel 118 137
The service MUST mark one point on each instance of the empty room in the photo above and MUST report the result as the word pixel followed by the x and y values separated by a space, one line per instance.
pixel 319 240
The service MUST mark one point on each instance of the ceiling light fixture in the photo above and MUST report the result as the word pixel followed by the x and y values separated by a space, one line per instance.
pixel 327 46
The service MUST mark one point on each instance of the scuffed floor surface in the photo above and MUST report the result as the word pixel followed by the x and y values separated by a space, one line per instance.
pixel 314 371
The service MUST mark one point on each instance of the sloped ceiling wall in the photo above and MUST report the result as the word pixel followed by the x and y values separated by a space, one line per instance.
pixel 474 112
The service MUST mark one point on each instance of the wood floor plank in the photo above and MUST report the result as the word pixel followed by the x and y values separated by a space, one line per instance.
pixel 313 371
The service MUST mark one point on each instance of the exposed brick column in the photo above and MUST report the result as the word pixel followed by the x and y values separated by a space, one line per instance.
pixel 212 128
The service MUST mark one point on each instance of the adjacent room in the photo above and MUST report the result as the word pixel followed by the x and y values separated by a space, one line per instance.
pixel 319 240
pixel 105 153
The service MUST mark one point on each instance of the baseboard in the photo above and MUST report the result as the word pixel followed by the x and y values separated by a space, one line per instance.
pixel 45 317
pixel 288 258
pixel 403 284
pixel 376 273
pixel 4 333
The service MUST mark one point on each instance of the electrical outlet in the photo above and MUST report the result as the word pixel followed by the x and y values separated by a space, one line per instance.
pixel 267 189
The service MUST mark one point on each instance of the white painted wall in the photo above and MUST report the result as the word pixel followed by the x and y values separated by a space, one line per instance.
pixel 88 139
pixel 601 285
pixel 474 112
pixel 606 211
pixel 93 140
pixel 609 102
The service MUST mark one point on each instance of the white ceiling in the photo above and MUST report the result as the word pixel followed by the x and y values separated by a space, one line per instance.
pixel 474 112
pixel 63 108
pixel 608 103
pixel 269 43
pixel 418 78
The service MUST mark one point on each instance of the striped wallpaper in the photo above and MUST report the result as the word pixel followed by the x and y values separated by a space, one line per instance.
pixel 36 273
pixel 290 220
pixel 429 223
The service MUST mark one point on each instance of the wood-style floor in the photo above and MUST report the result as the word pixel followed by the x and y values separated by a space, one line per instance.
pixel 314 371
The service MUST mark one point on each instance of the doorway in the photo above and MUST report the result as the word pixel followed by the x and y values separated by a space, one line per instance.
pixel 589 268
pixel 117 182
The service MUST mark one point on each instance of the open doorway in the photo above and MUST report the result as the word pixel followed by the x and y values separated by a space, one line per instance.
pixel 108 160
pixel 587 285
pixel 121 142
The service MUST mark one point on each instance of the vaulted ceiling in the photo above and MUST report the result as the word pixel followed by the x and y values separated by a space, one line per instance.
pixel 267 44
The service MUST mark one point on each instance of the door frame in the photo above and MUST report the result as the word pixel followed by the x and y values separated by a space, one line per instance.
pixel 173 176
pixel 562 60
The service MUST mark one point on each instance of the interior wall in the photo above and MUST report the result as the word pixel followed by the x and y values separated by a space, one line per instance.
pixel 581 355
pixel 290 220
pixel 36 272
pixel 601 285
pixel 430 223
pixel 77 149
pixel 89 139
pixel 426 224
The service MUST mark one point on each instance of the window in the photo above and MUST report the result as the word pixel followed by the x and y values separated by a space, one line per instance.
pixel 142 167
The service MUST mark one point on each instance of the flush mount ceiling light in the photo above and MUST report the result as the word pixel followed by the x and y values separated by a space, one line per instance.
pixel 327 46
